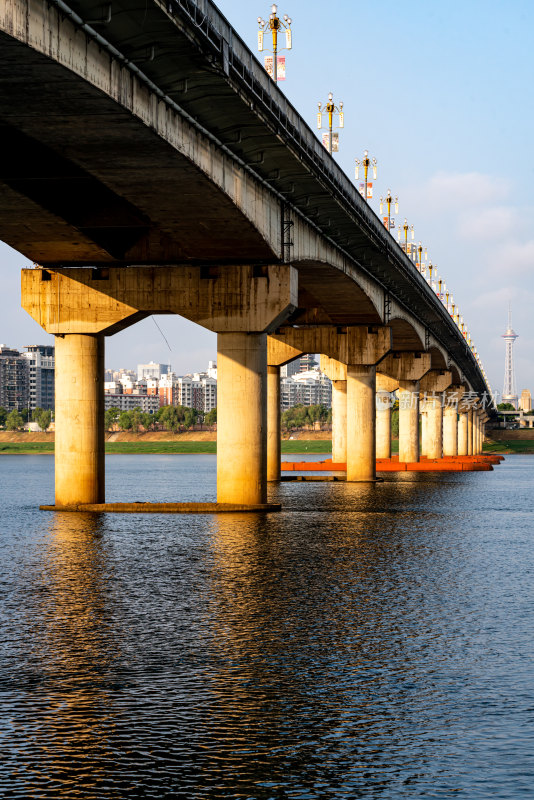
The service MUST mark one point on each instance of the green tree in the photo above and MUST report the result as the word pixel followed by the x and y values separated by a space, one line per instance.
pixel 147 421
pixel 314 413
pixel 505 407
pixel 136 417
pixel 3 415
pixel 295 417
pixel 42 418
pixel 111 417
pixel 190 417
pixel 14 421
pixel 125 421
pixel 211 417
pixel 169 417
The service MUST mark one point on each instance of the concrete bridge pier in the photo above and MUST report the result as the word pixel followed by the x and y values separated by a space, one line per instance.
pixel 242 418
pixel 274 433
pixel 337 373
pixel 79 438
pixel 463 432
pixel 450 420
pixel 450 431
pixel 407 369
pixel 409 421
pixel 361 423
pixel 240 303
pixel 470 436
pixel 383 425
pixel 339 421
pixel 434 384
pixel 279 353
pixel 384 387
pixel 423 419
pixel 479 433
pixel 434 428
pixel 348 354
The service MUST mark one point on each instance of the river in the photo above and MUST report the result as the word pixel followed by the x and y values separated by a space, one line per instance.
pixel 366 642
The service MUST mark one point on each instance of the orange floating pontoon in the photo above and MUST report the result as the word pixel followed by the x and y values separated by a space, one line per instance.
pixel 478 463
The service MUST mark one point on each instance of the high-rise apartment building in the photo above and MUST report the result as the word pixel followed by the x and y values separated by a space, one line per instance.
pixel 14 379
pixel 302 364
pixel 307 388
pixel 152 370
pixel 41 363
pixel 193 391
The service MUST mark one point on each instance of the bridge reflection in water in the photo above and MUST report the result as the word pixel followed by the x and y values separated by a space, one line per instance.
pixel 363 642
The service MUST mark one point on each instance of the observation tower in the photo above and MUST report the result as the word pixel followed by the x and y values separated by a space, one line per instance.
pixel 509 394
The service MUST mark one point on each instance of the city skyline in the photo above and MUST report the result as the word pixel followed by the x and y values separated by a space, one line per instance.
pixel 451 141
pixel 133 368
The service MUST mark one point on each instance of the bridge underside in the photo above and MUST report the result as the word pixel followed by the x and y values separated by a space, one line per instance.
pixel 83 181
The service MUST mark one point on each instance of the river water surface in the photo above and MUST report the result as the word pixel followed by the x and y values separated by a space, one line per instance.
pixel 366 642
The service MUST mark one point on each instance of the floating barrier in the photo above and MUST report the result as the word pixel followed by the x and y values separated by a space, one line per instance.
pixel 478 463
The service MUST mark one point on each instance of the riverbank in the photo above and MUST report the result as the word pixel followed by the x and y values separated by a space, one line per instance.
pixel 161 447
pixel 201 442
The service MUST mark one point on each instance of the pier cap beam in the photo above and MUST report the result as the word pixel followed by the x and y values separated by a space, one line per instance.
pixel 225 299
pixel 406 366
pixel 386 384
pixel 359 344
pixel 334 370
pixel 435 381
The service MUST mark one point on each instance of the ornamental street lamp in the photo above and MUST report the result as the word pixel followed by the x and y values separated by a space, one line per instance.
pixel 366 162
pixel 388 201
pixel 406 228
pixel 431 268
pixel 330 108
pixel 275 24
pixel 421 251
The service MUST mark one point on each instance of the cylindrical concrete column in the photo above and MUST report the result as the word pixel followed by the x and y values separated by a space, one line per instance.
pixel 361 423
pixel 462 433
pixel 79 434
pixel 470 432
pixel 383 425
pixel 478 448
pixel 423 417
pixel 409 421
pixel 339 422
pixel 450 431
pixel 434 428
pixel 273 424
pixel 241 418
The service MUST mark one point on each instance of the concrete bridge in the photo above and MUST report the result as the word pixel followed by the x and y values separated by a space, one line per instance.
pixel 151 166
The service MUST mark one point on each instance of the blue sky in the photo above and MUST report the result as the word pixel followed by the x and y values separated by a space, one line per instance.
pixel 441 95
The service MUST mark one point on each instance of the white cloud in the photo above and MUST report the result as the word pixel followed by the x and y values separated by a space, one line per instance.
pixel 498 299
pixel 513 259
pixel 487 223
pixel 466 189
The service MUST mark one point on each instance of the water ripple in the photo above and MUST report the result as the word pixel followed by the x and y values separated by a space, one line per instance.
pixel 367 642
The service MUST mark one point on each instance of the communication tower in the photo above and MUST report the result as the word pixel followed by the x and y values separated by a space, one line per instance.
pixel 509 394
